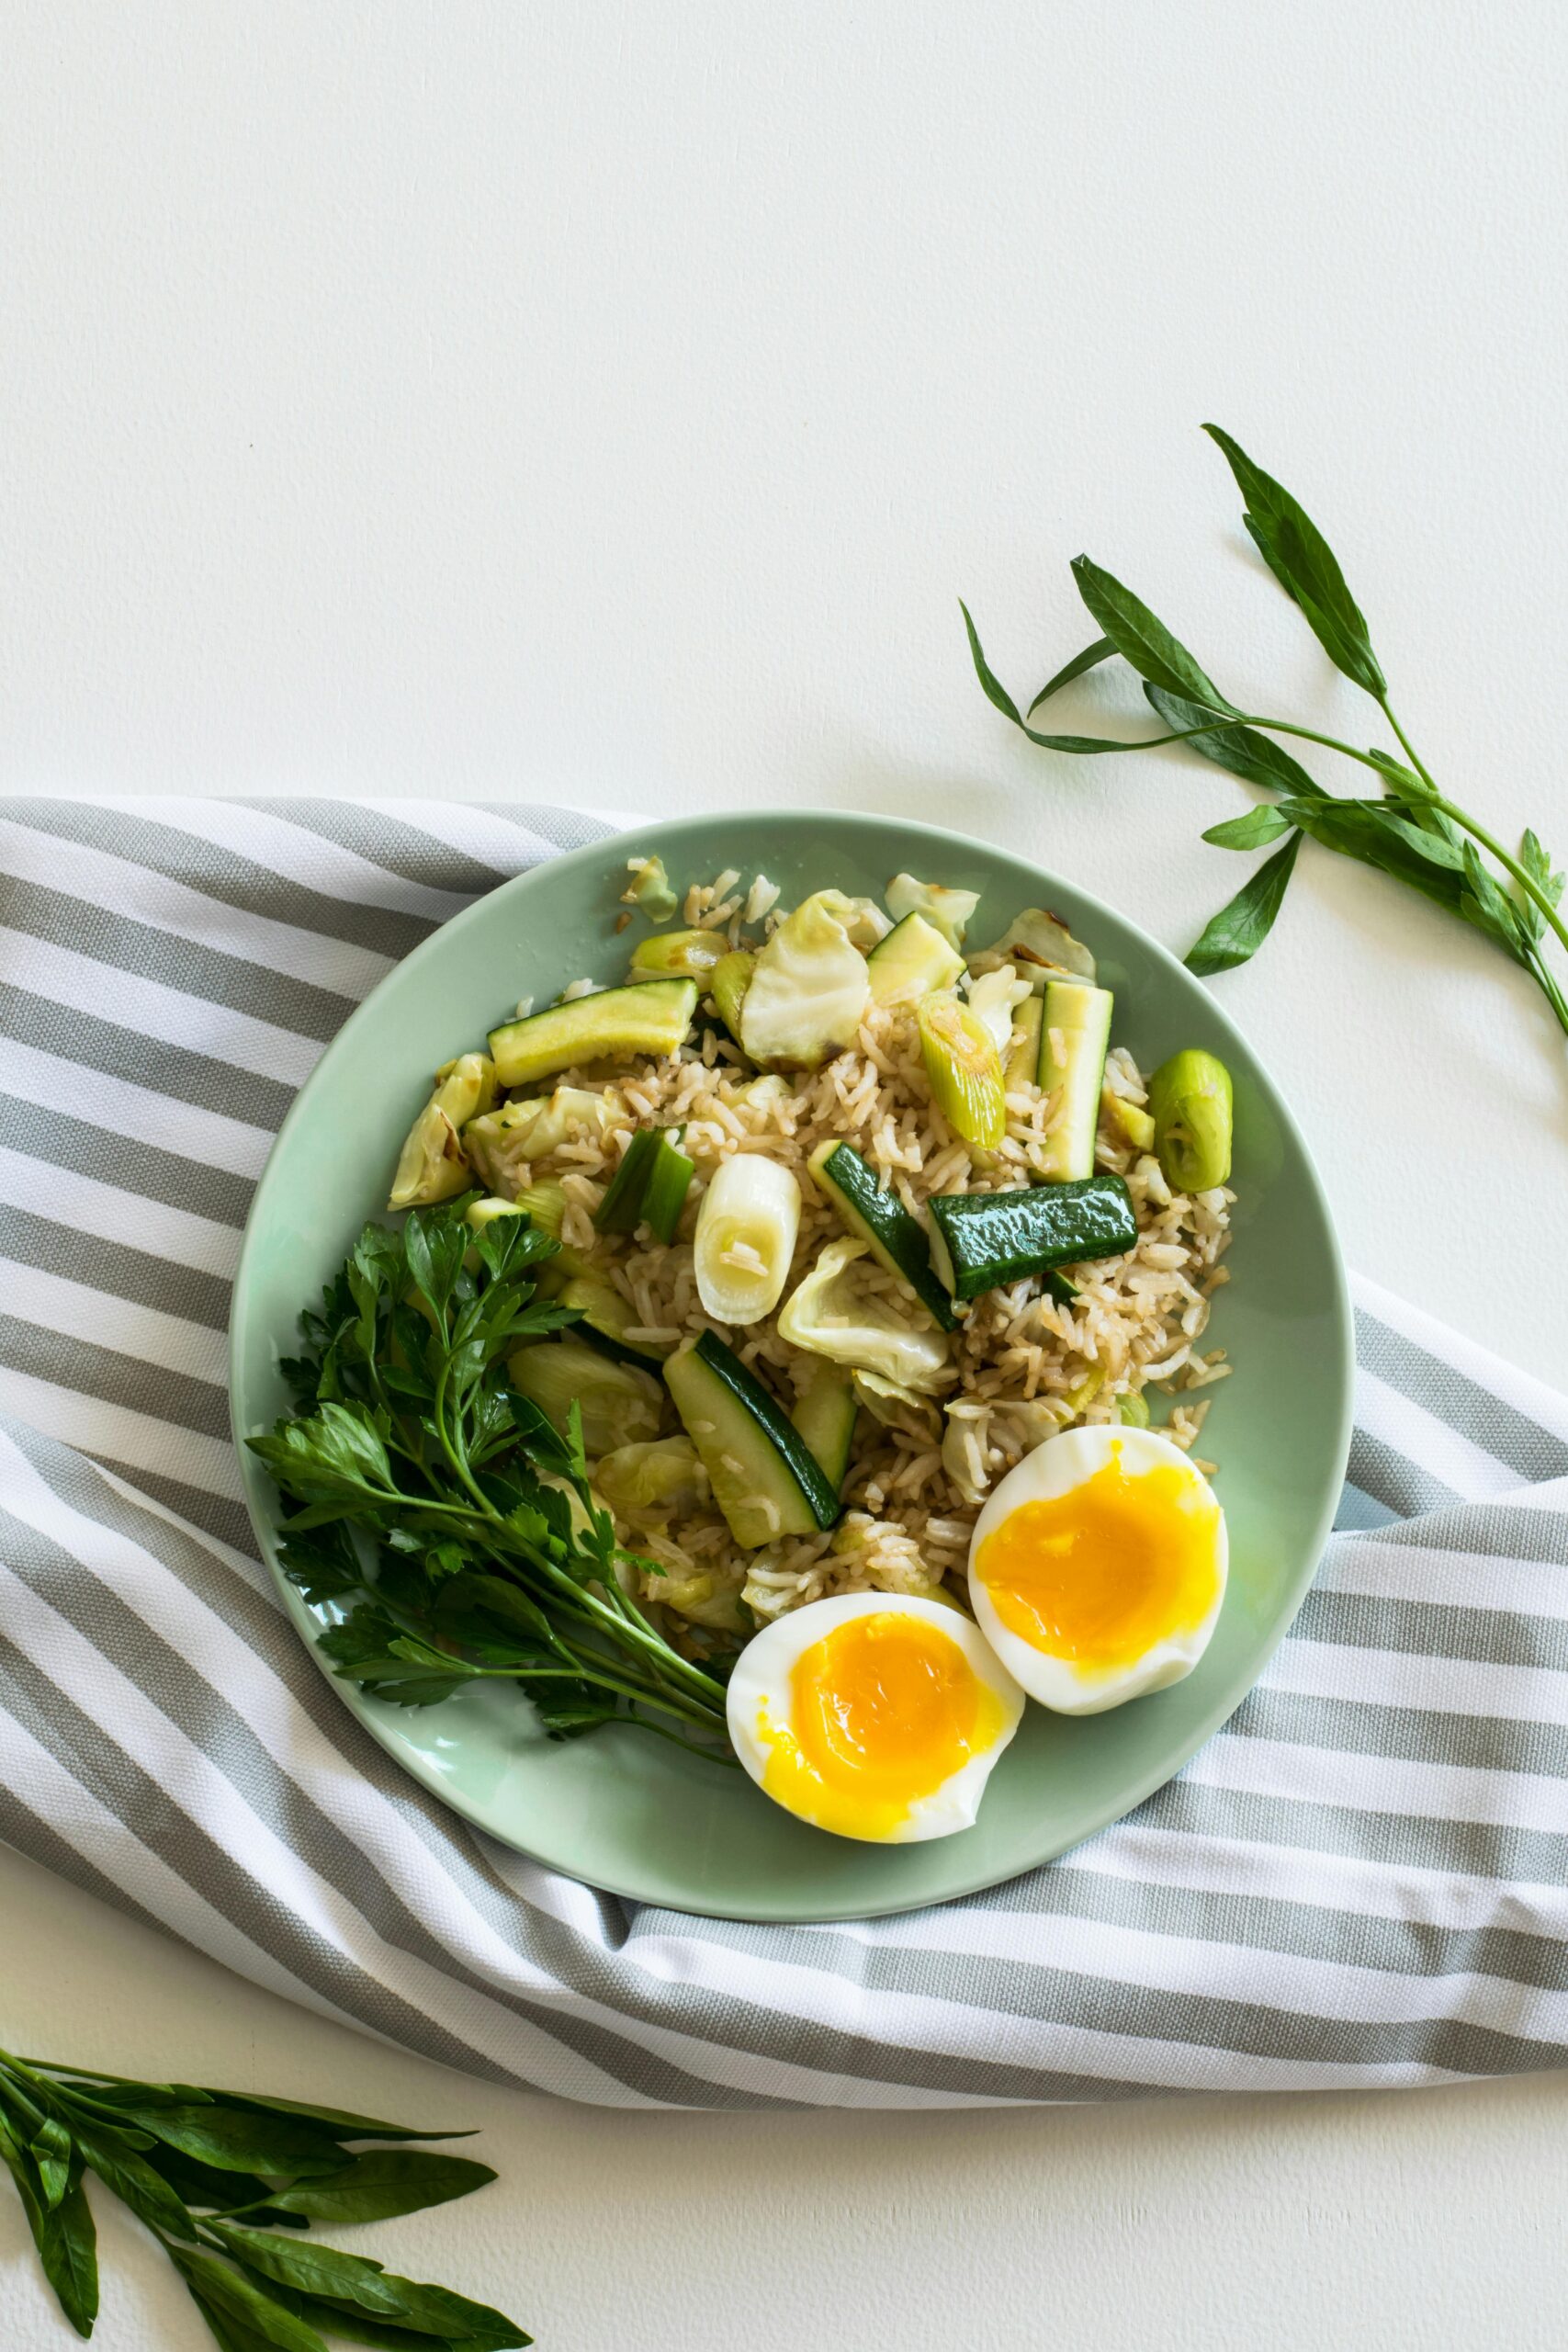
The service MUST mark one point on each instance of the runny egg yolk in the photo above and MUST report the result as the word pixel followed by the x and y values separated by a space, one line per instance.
pixel 1101 1574
pixel 883 1710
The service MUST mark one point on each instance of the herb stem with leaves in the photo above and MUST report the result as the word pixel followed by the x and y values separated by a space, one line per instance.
pixel 442 1513
pixel 218 2176
pixel 1412 831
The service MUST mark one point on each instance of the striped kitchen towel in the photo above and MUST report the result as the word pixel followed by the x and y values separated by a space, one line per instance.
pixel 1359 1880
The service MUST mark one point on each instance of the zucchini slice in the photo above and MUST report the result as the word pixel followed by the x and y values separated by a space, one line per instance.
pixel 647 1017
pixel 1079 1020
pixel 765 1479
pixel 648 1187
pixel 982 1240
pixel 824 1417
pixel 913 961
pixel 881 1220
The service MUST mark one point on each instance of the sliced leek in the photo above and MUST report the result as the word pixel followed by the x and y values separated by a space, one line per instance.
pixel 503 1143
pixel 963 1070
pixel 745 1237
pixel 619 1404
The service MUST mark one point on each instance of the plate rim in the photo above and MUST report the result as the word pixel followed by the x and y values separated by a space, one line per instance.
pixel 256 1485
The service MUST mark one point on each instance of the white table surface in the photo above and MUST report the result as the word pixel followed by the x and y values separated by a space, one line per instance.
pixel 608 403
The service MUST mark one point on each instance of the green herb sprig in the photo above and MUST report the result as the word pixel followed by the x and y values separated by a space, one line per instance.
pixel 1410 830
pixel 492 1559
pixel 218 2176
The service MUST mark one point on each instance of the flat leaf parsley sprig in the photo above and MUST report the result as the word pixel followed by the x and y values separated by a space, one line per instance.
pixel 494 1559
pixel 217 2176
pixel 1410 830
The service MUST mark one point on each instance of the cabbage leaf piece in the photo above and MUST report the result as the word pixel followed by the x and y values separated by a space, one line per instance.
pixel 1042 948
pixel 833 1313
pixel 810 986
pixel 434 1165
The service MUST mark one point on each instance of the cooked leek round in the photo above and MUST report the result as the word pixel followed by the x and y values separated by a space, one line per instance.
pixel 964 1070
pixel 1191 1099
pixel 745 1237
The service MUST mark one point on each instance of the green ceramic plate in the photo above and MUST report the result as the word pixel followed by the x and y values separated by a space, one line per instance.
pixel 629 1812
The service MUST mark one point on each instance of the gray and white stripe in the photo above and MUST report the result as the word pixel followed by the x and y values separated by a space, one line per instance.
pixel 1362 1880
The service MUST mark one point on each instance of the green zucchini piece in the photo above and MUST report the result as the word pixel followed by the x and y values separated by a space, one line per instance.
pixel 1080 1019
pixel 669 1182
pixel 765 1479
pixel 982 1240
pixel 824 1417
pixel 620 1211
pixel 881 1221
pixel 620 1404
pixel 913 961
pixel 648 1187
pixel 1058 1286
pixel 647 1017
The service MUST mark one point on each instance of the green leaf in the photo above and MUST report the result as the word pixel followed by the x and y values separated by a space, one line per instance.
pixel 1102 650
pixel 230 2335
pixel 994 690
pixel 1144 640
pixel 1488 906
pixel 1255 831
pixel 1403 782
pixel 358 2327
pixel 335 1456
pixel 1241 751
pixel 387 2182
pixel 127 2175
pixel 69 2252
pixel 62 2233
pixel 320 1563
pixel 1303 563
pixel 234 2139
pixel 1537 863
pixel 235 2297
pixel 1239 929
pixel 52 2151
pixel 351 2279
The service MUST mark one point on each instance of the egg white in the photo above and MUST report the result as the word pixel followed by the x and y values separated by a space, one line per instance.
pixel 760 1692
pixel 1053 1470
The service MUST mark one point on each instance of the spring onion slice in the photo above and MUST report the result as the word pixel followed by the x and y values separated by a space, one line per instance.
pixel 964 1070
pixel 745 1238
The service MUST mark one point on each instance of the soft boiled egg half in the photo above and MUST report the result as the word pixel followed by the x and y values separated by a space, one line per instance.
pixel 1097 1568
pixel 874 1715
